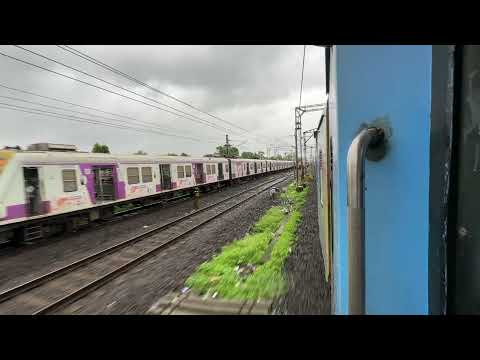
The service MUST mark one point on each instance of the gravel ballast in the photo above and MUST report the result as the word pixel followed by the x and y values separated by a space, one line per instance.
pixel 18 265
pixel 137 290
pixel 308 292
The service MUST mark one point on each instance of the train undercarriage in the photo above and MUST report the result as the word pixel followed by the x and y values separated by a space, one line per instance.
pixel 45 227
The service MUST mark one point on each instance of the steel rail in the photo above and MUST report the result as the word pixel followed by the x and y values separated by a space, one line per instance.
pixel 31 284
pixel 93 285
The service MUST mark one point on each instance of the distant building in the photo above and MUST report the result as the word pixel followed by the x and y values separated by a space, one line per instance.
pixel 51 147
pixel 12 148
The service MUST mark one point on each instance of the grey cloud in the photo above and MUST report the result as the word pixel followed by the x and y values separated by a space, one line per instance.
pixel 228 76
pixel 255 87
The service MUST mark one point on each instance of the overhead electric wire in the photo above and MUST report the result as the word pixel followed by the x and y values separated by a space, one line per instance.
pixel 202 121
pixel 65 102
pixel 118 72
pixel 303 68
pixel 117 86
pixel 143 123
pixel 96 122
pixel 73 104
pixel 93 121
pixel 104 89
pixel 77 105
pixel 101 88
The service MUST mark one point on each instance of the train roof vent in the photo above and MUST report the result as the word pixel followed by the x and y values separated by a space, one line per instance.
pixel 51 147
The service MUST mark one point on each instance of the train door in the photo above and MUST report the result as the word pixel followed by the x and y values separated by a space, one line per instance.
pixel 104 181
pixel 248 169
pixel 230 169
pixel 325 194
pixel 254 167
pixel 198 173
pixel 464 257
pixel 32 191
pixel 165 177
pixel 220 171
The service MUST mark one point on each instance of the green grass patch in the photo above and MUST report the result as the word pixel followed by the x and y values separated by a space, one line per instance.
pixel 270 221
pixel 298 198
pixel 222 274
pixel 267 281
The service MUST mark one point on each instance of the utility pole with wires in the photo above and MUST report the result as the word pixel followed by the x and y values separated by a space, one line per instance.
pixel 305 140
pixel 299 160
pixel 227 146
pixel 298 121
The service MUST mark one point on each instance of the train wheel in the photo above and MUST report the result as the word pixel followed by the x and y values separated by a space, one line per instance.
pixel 17 237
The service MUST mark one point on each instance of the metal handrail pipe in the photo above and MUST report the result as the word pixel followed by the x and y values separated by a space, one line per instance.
pixel 356 216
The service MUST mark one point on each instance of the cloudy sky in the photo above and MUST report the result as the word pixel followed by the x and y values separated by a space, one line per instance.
pixel 255 88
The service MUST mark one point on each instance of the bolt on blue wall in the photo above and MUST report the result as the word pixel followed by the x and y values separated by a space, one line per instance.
pixel 391 83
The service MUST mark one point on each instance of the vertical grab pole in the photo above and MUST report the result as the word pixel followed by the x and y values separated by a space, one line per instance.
pixel 356 216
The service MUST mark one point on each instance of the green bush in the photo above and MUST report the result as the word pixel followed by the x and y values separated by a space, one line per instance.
pixel 220 275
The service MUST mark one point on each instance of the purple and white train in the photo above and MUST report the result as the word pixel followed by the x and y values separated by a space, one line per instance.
pixel 44 191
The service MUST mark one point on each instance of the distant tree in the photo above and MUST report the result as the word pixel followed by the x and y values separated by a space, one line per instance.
pixel 249 155
pixel 184 154
pixel 286 156
pixel 98 148
pixel 172 154
pixel 208 155
pixel 223 151
pixel 261 154
pixel 277 157
pixel 140 152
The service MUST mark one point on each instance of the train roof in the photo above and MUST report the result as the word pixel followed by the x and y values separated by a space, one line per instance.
pixel 98 158
pixel 241 159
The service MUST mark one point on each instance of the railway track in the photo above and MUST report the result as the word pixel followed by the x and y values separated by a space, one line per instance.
pixel 55 290
pixel 117 216
pixel 139 209
pixel 122 214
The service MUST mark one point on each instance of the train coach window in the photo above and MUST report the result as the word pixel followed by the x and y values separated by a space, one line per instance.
pixel 180 172
pixel 188 171
pixel 146 174
pixel 133 175
pixel 69 180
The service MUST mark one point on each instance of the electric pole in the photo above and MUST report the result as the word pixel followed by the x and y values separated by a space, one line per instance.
pixel 296 152
pixel 305 150
pixel 299 111
pixel 227 145
pixel 305 140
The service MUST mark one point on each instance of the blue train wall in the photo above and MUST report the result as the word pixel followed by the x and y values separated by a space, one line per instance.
pixel 391 85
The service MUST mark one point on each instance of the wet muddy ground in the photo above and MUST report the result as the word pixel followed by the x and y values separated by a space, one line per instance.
pixel 308 292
